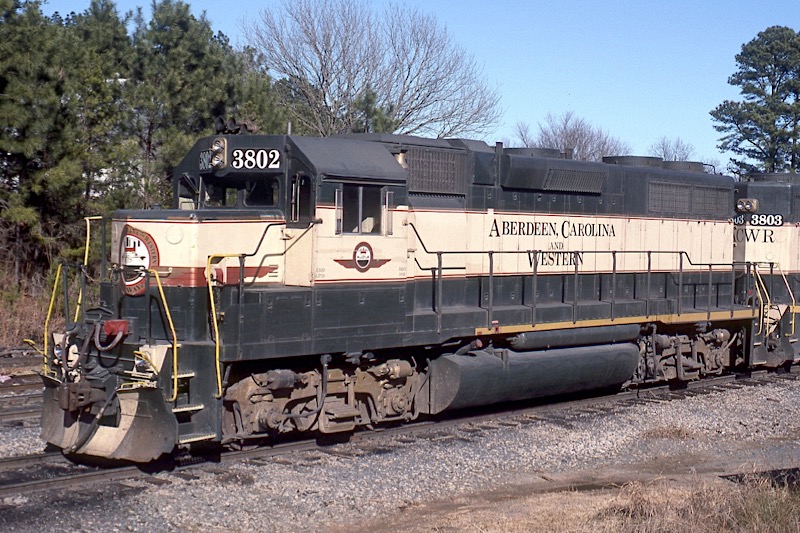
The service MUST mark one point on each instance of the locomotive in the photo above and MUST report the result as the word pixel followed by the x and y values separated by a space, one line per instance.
pixel 322 285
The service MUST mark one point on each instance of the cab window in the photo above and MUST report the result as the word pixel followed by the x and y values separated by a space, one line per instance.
pixel 261 193
pixel 301 199
pixel 221 195
pixel 358 209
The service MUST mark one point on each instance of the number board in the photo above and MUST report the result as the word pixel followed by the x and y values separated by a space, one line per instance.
pixel 758 219
pixel 256 158
pixel 204 162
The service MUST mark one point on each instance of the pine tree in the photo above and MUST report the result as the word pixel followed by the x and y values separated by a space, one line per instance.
pixel 93 118
pixel 41 186
pixel 101 53
pixel 182 78
pixel 764 127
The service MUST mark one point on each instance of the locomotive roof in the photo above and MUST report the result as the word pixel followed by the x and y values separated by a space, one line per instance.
pixel 400 140
pixel 339 158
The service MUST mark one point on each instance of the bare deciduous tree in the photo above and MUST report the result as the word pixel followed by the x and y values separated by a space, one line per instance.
pixel 569 132
pixel 523 132
pixel 671 149
pixel 712 165
pixel 329 53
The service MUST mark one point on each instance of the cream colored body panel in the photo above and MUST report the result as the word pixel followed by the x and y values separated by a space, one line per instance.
pixel 556 237
pixel 767 244
pixel 316 254
pixel 186 246
pixel 334 257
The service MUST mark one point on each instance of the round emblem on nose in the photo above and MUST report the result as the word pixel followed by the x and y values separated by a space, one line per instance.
pixel 362 256
pixel 138 253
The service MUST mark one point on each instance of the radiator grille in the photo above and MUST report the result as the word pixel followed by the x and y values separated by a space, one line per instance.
pixel 669 198
pixel 436 171
pixel 568 180
pixel 686 199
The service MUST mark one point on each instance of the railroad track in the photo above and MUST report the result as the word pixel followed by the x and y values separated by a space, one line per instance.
pixel 21 398
pixel 25 461
pixel 48 471
pixel 19 362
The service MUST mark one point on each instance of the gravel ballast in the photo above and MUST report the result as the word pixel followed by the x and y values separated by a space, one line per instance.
pixel 726 431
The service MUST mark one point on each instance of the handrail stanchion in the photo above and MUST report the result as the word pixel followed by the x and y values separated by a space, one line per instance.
pixel 148 311
pixel 46 336
pixel 710 287
pixel 791 299
pixel 680 283
pixel 491 288
pixel 439 292
pixel 613 281
pixel 575 290
pixel 534 286
pixel 171 325
pixel 213 303
pixel 764 300
pixel 65 291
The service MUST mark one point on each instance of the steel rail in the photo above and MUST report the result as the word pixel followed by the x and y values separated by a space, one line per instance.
pixel 543 411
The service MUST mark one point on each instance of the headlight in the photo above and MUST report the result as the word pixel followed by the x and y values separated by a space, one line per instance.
pixel 747 205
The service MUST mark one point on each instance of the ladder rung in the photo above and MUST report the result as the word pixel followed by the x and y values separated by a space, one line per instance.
pixel 187 408
pixel 185 375
pixel 195 437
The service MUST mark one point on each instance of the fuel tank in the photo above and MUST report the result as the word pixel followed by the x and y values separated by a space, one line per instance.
pixel 483 377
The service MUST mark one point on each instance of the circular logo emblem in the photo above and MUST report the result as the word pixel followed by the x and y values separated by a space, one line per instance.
pixel 362 256
pixel 138 253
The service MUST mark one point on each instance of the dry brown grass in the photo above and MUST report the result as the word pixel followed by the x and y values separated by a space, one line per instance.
pixel 656 507
pixel 24 310
pixel 755 506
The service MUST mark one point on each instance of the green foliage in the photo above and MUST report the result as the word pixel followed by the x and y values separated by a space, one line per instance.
pixel 38 132
pixel 94 117
pixel 256 99
pixel 765 126
pixel 102 53
pixel 180 79
pixel 370 117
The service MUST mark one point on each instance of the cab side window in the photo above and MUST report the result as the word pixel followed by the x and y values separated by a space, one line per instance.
pixel 301 204
pixel 358 209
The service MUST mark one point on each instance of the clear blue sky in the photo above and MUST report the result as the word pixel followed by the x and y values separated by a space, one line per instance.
pixel 639 69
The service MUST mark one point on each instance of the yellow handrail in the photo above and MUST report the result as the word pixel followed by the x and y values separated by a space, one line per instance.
pixel 217 361
pixel 213 303
pixel 759 286
pixel 50 314
pixel 174 338
pixel 44 350
pixel 791 296
pixel 85 261
pixel 146 359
